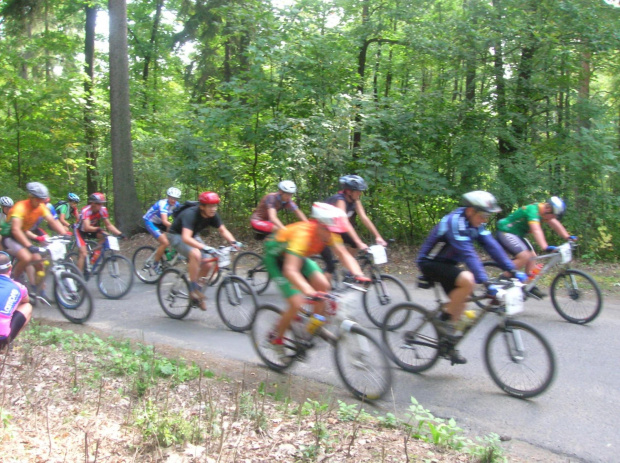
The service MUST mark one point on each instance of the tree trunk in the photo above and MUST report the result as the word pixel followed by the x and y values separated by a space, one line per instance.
pixel 90 132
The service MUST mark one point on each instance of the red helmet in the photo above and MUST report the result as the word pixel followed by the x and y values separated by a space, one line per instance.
pixel 208 197
pixel 98 198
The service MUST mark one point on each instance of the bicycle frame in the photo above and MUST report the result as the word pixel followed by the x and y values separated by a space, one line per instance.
pixel 562 257
pixel 105 249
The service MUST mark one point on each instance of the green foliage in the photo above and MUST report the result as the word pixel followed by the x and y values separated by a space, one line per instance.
pixel 162 427
pixel 351 412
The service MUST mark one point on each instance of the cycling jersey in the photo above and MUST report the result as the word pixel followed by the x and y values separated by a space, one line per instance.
pixel 94 217
pixel 301 239
pixel 28 214
pixel 11 295
pixel 349 205
pixel 452 242
pixel 191 218
pixel 67 210
pixel 272 201
pixel 518 223
pixel 160 207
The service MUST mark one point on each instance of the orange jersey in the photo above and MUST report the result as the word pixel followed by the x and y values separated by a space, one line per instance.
pixel 29 215
pixel 302 239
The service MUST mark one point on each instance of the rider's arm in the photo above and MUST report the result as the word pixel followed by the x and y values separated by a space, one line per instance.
pixel 539 236
pixel 557 227
pixel 164 220
pixel 111 227
pixel 347 259
pixel 17 233
pixel 291 269
pixel 495 250
pixel 460 240
pixel 300 215
pixel 225 233
pixel 87 227
pixel 351 231
pixel 55 225
pixel 361 212
pixel 63 220
pixel 273 218
pixel 187 235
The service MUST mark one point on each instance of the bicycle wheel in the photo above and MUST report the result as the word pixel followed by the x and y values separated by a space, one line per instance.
pixel 71 258
pixel 115 276
pixel 519 359
pixel 362 364
pixel 576 296
pixel 173 294
pixel 143 261
pixel 277 358
pixel 410 337
pixel 381 295
pixel 236 303
pixel 249 266
pixel 72 297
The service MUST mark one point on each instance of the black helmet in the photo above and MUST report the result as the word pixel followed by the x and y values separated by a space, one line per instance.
pixel 481 201
pixel 353 182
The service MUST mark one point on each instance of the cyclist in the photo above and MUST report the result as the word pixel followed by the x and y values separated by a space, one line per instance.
pixel 183 236
pixel 286 261
pixel 527 219
pixel 264 219
pixel 156 222
pixel 67 209
pixel 15 308
pixel 88 226
pixel 6 204
pixel 23 216
pixel 452 241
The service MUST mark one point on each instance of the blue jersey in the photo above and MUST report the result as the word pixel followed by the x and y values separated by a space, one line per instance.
pixel 41 219
pixel 452 241
pixel 11 295
pixel 159 208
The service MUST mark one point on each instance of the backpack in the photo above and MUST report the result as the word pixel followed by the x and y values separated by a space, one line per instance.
pixel 60 203
pixel 182 207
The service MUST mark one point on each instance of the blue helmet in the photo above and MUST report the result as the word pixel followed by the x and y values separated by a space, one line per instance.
pixel 73 197
pixel 353 182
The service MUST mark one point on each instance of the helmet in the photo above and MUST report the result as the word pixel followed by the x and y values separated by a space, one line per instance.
pixel 208 197
pixel 98 198
pixel 557 206
pixel 481 201
pixel 73 197
pixel 287 186
pixel 6 201
pixel 334 218
pixel 353 182
pixel 38 190
pixel 174 192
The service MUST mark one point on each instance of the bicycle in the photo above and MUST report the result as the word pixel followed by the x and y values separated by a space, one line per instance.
pixel 114 272
pixel 70 292
pixel 360 360
pixel 236 301
pixel 249 266
pixel 574 294
pixel 518 358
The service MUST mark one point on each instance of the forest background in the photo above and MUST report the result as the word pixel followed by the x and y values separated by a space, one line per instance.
pixel 424 99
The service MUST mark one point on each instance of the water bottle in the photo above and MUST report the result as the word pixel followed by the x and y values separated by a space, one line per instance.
pixel 96 254
pixel 314 323
pixel 169 254
pixel 41 273
pixel 467 319
pixel 535 271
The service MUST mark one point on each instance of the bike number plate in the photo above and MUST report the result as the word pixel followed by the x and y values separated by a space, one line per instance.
pixel 113 243
pixel 224 259
pixel 566 253
pixel 514 300
pixel 379 256
pixel 57 250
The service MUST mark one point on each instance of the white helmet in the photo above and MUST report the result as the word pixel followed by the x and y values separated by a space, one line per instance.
pixel 558 207
pixel 287 187
pixel 174 192
pixel 481 201
pixel 38 190
pixel 6 201
pixel 334 218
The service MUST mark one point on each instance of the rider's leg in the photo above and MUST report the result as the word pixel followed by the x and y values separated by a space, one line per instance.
pixel 463 287
pixel 524 260
pixel 319 281
pixel 294 304
pixel 24 257
pixel 20 318
pixel 163 244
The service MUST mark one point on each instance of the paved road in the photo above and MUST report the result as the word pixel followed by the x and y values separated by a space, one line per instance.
pixel 576 418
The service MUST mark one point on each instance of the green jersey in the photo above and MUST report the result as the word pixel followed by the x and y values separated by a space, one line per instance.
pixel 518 223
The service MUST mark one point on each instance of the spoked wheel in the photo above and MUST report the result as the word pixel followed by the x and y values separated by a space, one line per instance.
pixel 173 294
pixel 72 297
pixel 576 296
pixel 144 264
pixel 278 358
pixel 72 258
pixel 383 293
pixel 362 364
pixel 410 337
pixel 115 277
pixel 519 359
pixel 249 266
pixel 236 303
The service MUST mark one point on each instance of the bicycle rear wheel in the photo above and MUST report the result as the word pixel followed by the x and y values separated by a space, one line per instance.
pixel 519 359
pixel 277 358
pixel 173 294
pixel 362 364
pixel 143 261
pixel 383 293
pixel 576 296
pixel 410 337
pixel 115 276
pixel 249 266
pixel 236 303
pixel 72 297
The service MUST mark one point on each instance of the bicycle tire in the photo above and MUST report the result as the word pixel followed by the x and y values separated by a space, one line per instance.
pixel 569 306
pixel 265 320
pixel 73 297
pixel 381 295
pixel 236 303
pixel 173 293
pixel 143 264
pixel 410 337
pixel 355 352
pixel 513 360
pixel 72 258
pixel 249 266
pixel 115 277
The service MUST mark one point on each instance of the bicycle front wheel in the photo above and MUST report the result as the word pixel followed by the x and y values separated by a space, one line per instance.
pixel 143 261
pixel 519 359
pixel 72 297
pixel 362 364
pixel 383 293
pixel 576 296
pixel 115 276
pixel 236 303
pixel 249 266
pixel 173 294
pixel 277 358
pixel 410 337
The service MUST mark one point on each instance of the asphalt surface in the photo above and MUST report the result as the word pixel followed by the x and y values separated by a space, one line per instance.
pixel 575 420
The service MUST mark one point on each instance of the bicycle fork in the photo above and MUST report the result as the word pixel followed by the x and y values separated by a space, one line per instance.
pixel 514 344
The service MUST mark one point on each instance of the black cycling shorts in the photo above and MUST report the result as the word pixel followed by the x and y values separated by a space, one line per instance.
pixel 513 244
pixel 443 273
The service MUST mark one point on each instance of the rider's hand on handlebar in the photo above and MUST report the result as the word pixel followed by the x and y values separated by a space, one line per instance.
pixel 41 239
pixel 491 290
pixel 36 249
pixel 551 249
pixel 237 244
pixel 319 296
pixel 381 242
pixel 572 238
pixel 208 249
pixel 521 276
pixel 121 236
pixel 362 280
